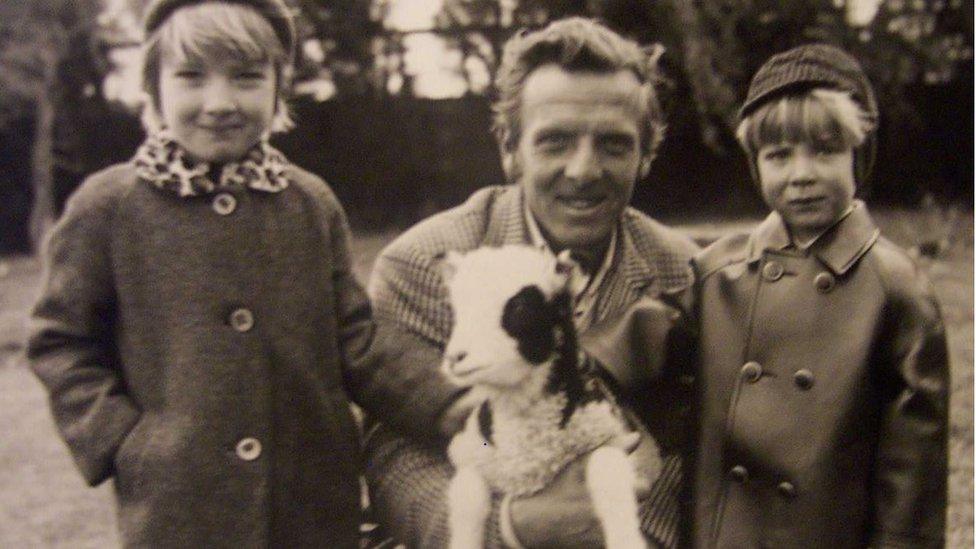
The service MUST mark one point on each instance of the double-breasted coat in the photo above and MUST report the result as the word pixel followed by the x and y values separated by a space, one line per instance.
pixel 823 389
pixel 199 349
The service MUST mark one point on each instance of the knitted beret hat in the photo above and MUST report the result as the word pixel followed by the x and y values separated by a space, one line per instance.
pixel 815 66
pixel 275 11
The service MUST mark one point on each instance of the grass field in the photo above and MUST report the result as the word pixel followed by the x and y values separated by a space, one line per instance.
pixel 44 503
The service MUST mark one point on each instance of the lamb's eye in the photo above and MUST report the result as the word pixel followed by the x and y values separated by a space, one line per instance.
pixel 526 319
pixel 524 311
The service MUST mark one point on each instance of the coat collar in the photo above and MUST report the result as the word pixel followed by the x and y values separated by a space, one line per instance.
pixel 506 225
pixel 839 248
pixel 164 164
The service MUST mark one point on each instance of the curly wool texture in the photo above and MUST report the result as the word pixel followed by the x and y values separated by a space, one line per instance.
pixel 529 448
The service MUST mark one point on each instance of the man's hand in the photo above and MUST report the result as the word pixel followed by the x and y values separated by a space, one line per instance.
pixel 453 418
pixel 561 515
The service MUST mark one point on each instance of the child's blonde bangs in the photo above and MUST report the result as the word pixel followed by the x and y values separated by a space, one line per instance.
pixel 829 119
pixel 216 30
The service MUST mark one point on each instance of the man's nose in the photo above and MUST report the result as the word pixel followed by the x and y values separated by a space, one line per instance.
pixel 584 165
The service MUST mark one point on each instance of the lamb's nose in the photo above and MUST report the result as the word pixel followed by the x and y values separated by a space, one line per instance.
pixel 454 358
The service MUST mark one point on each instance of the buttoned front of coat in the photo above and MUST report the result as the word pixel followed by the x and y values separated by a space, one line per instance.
pixel 198 351
pixel 823 391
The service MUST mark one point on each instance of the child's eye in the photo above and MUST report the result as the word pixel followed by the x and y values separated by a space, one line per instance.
pixel 828 149
pixel 776 154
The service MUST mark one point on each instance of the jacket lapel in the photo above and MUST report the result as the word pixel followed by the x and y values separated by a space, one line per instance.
pixel 506 223
pixel 631 275
pixel 843 245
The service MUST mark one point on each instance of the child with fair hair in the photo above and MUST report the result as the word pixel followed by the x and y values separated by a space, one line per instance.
pixel 199 323
pixel 824 373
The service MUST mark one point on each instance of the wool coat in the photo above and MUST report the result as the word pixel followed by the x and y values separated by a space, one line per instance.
pixel 409 479
pixel 198 350
pixel 824 383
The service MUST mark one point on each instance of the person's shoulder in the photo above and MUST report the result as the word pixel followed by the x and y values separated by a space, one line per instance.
pixel 900 274
pixel 653 237
pixel 102 190
pixel 312 187
pixel 725 251
pixel 461 228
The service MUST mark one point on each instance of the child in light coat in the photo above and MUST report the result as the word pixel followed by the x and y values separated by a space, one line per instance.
pixel 199 324
pixel 824 373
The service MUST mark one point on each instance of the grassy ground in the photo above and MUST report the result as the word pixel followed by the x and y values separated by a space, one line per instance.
pixel 44 503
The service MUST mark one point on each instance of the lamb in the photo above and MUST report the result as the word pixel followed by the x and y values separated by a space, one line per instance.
pixel 514 343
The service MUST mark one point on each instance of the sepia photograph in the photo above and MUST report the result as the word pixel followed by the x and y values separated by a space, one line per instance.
pixel 503 274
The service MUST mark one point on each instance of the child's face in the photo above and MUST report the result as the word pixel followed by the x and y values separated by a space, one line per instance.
pixel 810 186
pixel 217 109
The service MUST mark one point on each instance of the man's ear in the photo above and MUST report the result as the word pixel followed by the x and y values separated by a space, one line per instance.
pixel 644 167
pixel 509 156
pixel 448 264
pixel 565 262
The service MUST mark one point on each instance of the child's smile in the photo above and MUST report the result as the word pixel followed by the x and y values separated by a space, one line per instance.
pixel 217 109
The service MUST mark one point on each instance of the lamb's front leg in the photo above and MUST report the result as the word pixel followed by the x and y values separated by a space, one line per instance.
pixel 469 504
pixel 610 481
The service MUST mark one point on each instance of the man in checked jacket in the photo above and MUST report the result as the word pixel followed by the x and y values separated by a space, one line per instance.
pixel 578 123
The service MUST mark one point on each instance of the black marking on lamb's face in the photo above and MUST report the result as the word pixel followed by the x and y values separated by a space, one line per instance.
pixel 566 376
pixel 485 422
pixel 529 319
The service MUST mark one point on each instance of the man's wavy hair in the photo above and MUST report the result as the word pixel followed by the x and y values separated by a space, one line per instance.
pixel 575 44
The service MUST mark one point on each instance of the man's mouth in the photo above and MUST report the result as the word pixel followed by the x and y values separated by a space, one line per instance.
pixel 581 203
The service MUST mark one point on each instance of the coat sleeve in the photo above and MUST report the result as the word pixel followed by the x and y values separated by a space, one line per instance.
pixel 391 370
pixel 408 489
pixel 912 458
pixel 71 346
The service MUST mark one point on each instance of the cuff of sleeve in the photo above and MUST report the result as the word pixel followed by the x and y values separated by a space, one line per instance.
pixel 507 530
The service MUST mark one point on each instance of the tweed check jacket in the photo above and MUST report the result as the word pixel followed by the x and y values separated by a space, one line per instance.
pixel 408 477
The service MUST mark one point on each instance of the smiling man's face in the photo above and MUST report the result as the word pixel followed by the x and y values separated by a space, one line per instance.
pixel 579 152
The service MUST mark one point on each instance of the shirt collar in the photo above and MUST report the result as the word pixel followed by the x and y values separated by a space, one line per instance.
pixel 580 281
pixel 838 247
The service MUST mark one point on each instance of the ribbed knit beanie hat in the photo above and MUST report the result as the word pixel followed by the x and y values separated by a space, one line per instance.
pixel 275 11
pixel 817 66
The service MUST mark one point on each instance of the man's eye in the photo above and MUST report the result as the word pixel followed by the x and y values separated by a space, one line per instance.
pixel 617 145
pixel 189 74
pixel 250 75
pixel 554 142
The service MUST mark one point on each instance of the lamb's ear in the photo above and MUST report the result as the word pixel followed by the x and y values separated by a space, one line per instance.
pixel 565 264
pixel 448 264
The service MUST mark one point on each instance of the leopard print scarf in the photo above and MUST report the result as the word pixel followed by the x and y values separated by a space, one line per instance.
pixel 162 162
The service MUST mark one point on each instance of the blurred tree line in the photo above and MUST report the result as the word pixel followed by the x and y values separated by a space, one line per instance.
pixel 393 107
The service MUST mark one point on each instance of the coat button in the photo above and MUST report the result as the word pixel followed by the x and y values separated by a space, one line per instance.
pixel 739 473
pixel 751 371
pixel 772 271
pixel 824 282
pixel 803 379
pixel 242 320
pixel 786 489
pixel 248 449
pixel 224 203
